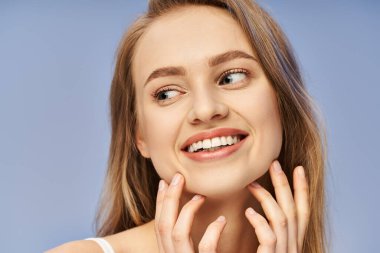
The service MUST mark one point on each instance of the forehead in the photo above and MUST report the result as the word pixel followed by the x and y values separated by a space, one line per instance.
pixel 188 35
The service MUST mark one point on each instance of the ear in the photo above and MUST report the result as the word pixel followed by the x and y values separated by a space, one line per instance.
pixel 141 144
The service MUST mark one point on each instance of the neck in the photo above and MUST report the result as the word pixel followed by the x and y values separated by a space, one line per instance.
pixel 238 234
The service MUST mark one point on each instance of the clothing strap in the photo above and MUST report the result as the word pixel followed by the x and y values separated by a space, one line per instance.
pixel 106 247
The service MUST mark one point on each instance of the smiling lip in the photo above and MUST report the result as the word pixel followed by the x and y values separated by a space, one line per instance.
pixel 216 154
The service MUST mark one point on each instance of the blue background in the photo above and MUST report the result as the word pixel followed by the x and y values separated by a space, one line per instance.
pixel 56 63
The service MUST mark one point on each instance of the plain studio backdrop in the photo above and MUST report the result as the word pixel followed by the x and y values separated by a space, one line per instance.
pixel 56 65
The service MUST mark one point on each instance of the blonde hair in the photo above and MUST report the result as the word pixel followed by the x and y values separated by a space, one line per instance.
pixel 129 193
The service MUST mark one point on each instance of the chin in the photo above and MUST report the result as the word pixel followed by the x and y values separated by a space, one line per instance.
pixel 220 186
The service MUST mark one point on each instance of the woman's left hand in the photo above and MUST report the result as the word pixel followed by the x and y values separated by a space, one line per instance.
pixel 288 217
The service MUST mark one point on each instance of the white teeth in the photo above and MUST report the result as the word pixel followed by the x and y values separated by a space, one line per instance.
pixel 206 143
pixel 213 143
pixel 199 145
pixel 216 142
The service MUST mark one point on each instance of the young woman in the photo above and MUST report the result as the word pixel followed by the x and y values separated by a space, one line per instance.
pixel 215 143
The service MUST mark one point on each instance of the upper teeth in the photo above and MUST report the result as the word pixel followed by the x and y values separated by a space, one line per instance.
pixel 214 142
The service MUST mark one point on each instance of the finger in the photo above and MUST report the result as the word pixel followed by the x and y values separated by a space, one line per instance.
pixel 285 200
pixel 301 197
pixel 264 233
pixel 181 231
pixel 275 215
pixel 209 241
pixel 162 186
pixel 169 212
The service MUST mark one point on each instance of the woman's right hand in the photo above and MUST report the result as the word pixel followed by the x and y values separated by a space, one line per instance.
pixel 173 229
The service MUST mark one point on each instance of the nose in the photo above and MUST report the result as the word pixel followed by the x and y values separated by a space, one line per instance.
pixel 207 108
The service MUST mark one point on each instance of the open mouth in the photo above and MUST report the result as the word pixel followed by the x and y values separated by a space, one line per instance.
pixel 215 143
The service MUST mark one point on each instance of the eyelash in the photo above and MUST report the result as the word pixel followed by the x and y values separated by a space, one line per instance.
pixel 156 93
pixel 233 71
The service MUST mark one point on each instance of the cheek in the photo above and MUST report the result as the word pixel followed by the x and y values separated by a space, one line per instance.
pixel 261 112
pixel 267 122
pixel 161 131
pixel 260 109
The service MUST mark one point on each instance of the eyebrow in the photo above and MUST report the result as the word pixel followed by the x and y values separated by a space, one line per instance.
pixel 215 60
pixel 166 71
pixel 228 56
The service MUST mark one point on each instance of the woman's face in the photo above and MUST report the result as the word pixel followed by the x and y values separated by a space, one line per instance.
pixel 205 107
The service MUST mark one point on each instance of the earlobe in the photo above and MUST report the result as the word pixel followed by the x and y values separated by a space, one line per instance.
pixel 141 145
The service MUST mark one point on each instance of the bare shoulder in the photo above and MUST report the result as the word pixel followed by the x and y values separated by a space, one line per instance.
pixel 139 239
pixel 81 246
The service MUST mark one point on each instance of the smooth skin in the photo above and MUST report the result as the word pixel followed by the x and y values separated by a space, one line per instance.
pixel 218 220
pixel 283 232
pixel 232 94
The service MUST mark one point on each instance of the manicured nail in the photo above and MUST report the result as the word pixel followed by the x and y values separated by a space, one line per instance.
pixel 255 185
pixel 161 185
pixel 221 218
pixel 301 171
pixel 277 166
pixel 196 197
pixel 176 179
pixel 250 211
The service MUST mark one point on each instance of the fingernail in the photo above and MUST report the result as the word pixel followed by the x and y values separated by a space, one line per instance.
pixel 251 211
pixel 255 185
pixel 161 185
pixel 176 179
pixel 277 166
pixel 221 218
pixel 301 171
pixel 196 197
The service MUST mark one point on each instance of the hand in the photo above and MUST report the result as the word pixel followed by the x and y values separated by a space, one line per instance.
pixel 288 218
pixel 173 230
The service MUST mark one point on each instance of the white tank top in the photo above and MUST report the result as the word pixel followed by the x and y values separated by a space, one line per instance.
pixel 106 247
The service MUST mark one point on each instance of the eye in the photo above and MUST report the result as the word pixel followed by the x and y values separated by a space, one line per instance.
pixel 233 76
pixel 165 94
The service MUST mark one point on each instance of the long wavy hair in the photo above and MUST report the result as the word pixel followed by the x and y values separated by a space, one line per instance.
pixel 128 196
